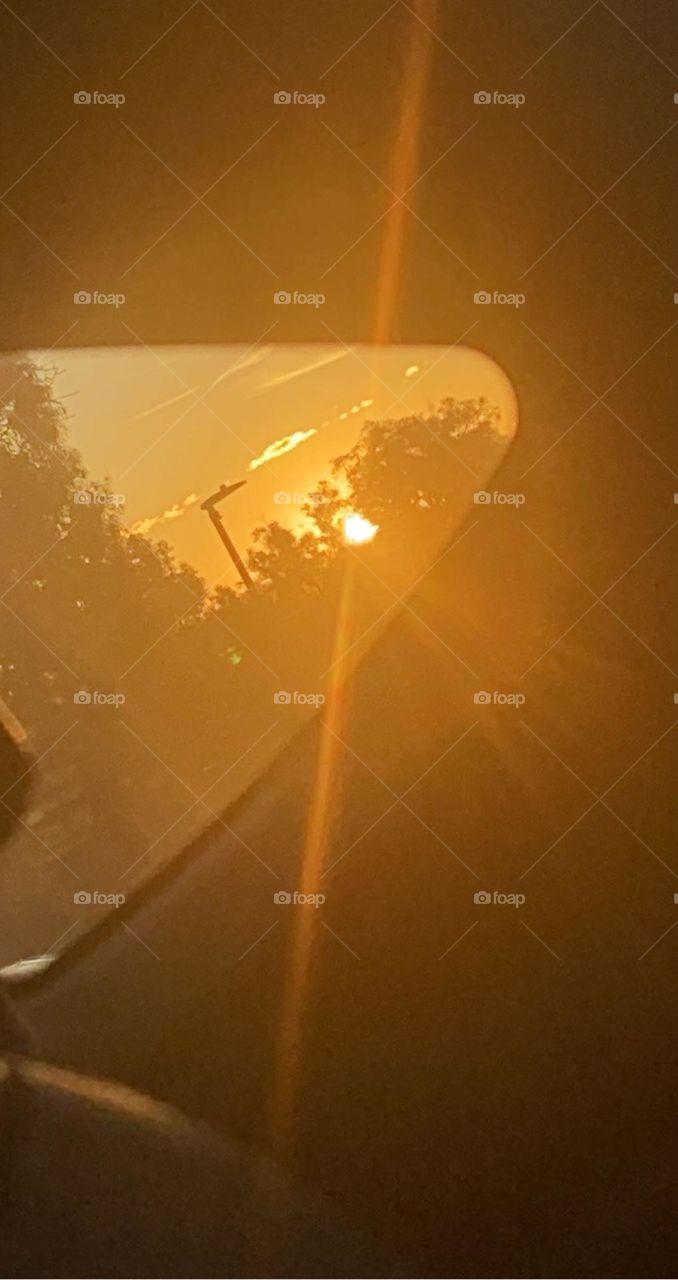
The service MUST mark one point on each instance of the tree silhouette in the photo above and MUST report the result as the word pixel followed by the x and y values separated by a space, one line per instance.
pixel 86 604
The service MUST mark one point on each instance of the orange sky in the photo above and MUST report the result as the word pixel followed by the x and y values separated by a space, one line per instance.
pixel 135 418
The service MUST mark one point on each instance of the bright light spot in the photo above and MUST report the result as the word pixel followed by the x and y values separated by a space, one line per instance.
pixel 410 372
pixel 357 529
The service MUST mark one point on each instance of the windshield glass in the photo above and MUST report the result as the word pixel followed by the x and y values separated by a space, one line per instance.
pixel 178 532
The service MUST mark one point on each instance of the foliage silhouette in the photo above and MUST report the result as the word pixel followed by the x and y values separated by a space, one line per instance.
pixel 87 605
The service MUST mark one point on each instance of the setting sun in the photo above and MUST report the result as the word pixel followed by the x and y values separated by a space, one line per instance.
pixel 357 529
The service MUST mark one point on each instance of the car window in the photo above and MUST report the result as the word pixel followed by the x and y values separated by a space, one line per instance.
pixel 177 531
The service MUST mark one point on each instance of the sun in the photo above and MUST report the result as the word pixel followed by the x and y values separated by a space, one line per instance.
pixel 357 529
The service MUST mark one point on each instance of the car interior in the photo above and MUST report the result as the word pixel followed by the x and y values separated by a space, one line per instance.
pixel 352 827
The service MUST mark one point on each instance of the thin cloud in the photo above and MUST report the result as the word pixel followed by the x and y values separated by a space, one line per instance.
pixel 165 404
pixel 144 526
pixel 279 447
pixel 179 509
pixel 248 361
pixel 287 443
pixel 307 368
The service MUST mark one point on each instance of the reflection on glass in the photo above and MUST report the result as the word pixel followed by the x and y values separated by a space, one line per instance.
pixel 177 528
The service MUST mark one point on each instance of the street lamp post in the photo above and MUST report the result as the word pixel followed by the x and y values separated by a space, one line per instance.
pixel 210 506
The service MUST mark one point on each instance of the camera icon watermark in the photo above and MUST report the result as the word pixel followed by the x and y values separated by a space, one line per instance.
pixel 284 498
pixel 285 699
pixel 98 899
pixel 98 498
pixel 98 99
pixel 284 899
pixel 485 98
pixel 84 698
pixel 283 98
pixel 483 498
pixel 494 697
pixel 83 298
pixel 482 898
pixel 483 298
pixel 284 298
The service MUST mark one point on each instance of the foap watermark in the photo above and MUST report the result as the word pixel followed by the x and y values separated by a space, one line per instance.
pixel 283 98
pixel 483 498
pixel 284 498
pixel 283 298
pixel 495 698
pixel 98 498
pixel 495 98
pixel 483 298
pixel 285 699
pixel 98 99
pixel 483 898
pixel 98 899
pixel 83 298
pixel 283 899
pixel 84 698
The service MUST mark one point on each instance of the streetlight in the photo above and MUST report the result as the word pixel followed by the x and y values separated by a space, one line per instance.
pixel 210 506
